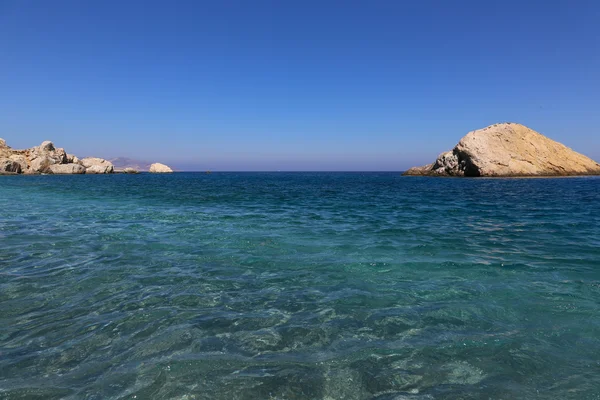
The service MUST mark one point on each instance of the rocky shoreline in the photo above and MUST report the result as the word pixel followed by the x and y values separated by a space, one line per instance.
pixel 48 159
pixel 508 150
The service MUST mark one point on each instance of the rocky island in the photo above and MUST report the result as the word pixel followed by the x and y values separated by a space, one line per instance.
pixel 159 168
pixel 508 150
pixel 48 159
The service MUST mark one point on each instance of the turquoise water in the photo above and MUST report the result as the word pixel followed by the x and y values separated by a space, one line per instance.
pixel 299 286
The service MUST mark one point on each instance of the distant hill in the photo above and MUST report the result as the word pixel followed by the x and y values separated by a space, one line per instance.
pixel 124 162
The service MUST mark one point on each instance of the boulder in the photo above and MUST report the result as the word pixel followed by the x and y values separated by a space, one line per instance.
pixel 94 165
pixel 60 155
pixel 159 168
pixel 72 159
pixel 20 159
pixel 44 155
pixel 46 146
pixel 66 169
pixel 508 149
pixel 40 164
pixel 98 169
pixel 9 166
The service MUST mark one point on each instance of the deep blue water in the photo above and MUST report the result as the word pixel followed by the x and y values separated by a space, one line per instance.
pixel 299 286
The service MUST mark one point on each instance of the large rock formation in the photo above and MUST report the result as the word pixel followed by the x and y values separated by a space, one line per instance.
pixel 159 168
pixel 508 150
pixel 47 159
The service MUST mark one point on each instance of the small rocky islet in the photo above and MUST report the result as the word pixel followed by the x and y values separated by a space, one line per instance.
pixel 508 150
pixel 48 159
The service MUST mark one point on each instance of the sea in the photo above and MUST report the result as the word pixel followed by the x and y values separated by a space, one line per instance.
pixel 299 286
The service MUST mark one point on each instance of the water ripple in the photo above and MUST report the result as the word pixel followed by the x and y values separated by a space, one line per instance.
pixel 298 286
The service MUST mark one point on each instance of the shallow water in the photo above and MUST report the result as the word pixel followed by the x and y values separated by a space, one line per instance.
pixel 299 286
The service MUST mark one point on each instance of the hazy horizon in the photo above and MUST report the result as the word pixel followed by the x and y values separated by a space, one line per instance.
pixel 267 86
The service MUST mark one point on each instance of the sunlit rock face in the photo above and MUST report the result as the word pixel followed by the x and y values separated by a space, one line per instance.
pixel 48 159
pixel 95 165
pixel 508 149
pixel 159 168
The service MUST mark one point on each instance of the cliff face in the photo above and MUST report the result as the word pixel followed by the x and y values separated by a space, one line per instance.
pixel 508 150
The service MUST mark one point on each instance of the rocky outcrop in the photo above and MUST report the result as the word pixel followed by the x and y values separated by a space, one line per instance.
pixel 43 156
pixel 48 159
pixel 94 165
pixel 159 168
pixel 508 149
pixel 67 169
pixel 37 160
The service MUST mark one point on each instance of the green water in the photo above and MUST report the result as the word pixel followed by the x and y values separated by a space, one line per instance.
pixel 299 286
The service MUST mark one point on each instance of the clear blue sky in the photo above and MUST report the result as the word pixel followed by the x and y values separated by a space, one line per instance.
pixel 294 85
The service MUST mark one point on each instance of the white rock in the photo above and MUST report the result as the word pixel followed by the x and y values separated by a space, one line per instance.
pixel 159 168
pixel 67 169
pixel 96 165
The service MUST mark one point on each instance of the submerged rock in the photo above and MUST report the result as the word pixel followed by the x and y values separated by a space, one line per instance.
pixel 508 150
pixel 159 168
